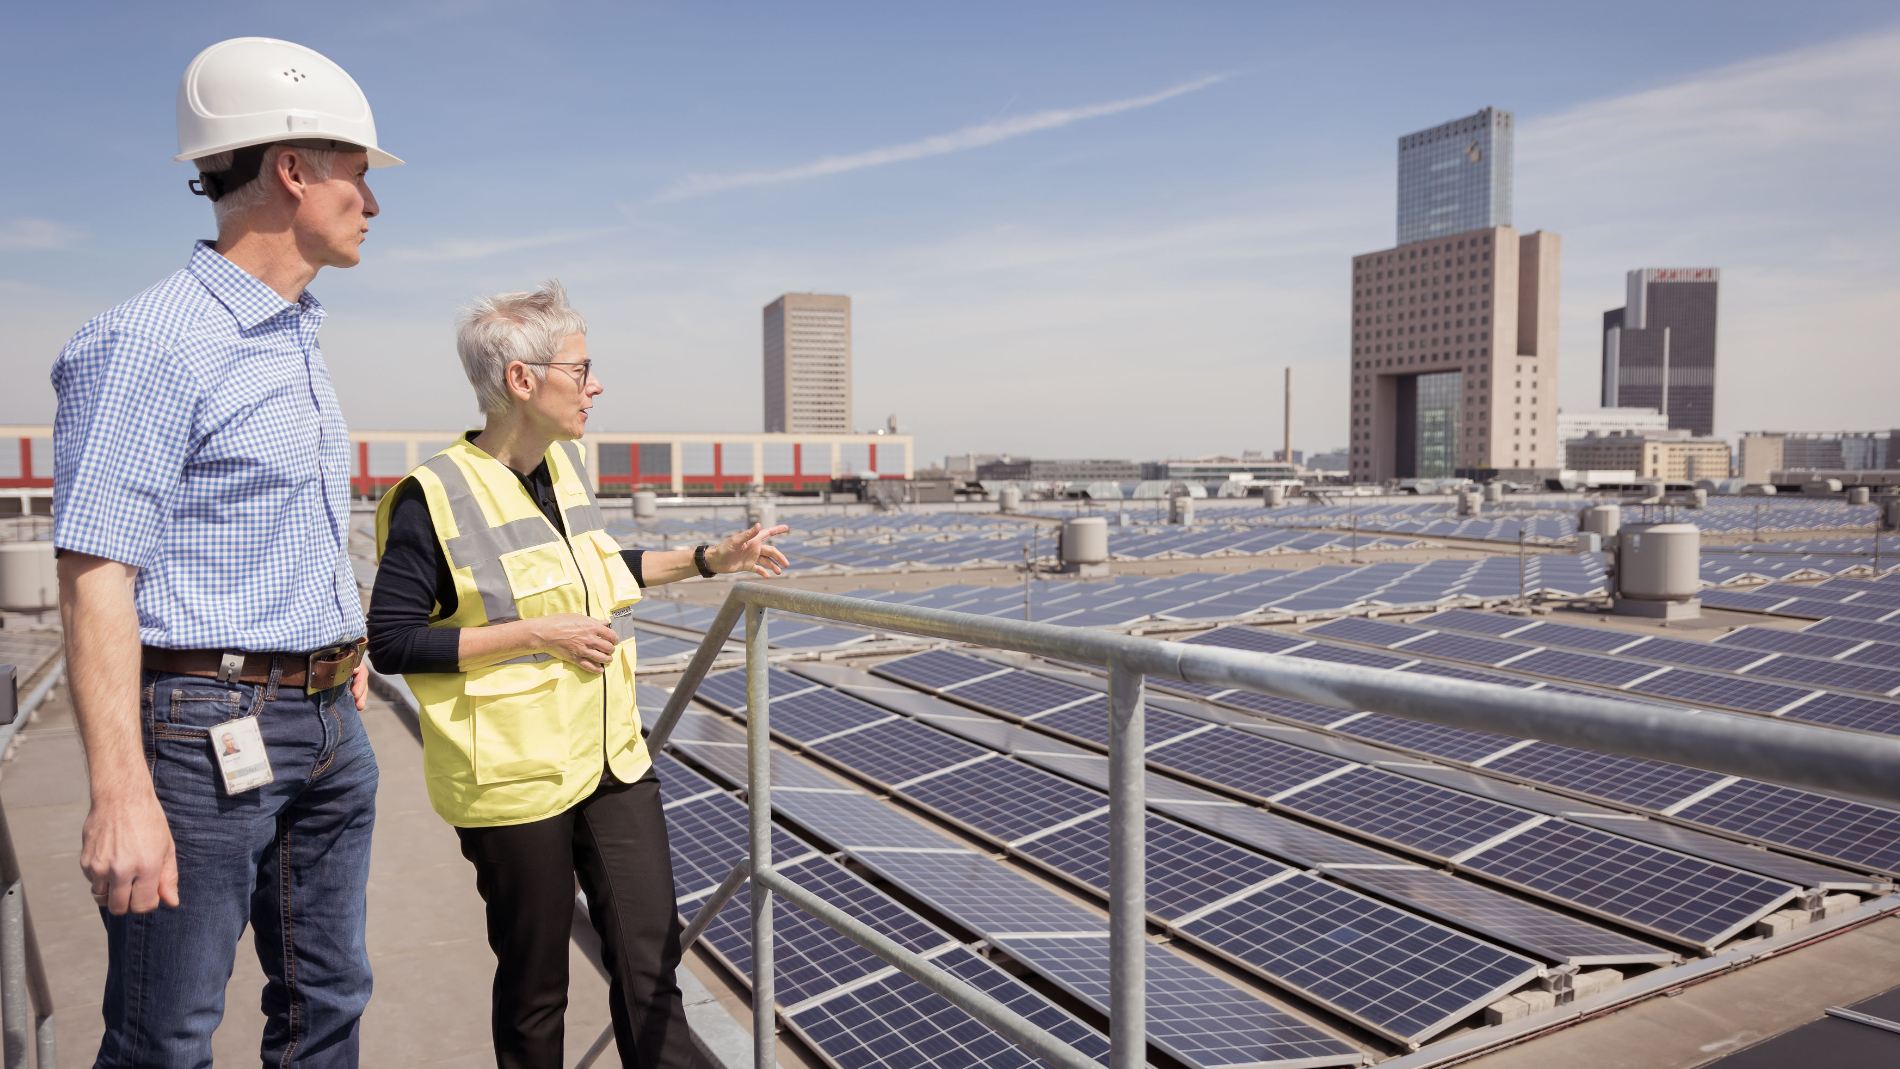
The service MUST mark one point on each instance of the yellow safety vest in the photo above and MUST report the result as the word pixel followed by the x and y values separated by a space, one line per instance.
pixel 524 739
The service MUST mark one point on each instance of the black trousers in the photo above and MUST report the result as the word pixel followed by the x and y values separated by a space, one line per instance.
pixel 615 841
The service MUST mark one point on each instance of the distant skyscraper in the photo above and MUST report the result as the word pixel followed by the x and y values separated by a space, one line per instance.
pixel 808 364
pixel 1659 348
pixel 1456 177
pixel 1454 330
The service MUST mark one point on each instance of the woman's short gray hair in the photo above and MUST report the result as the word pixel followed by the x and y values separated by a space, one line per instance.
pixel 322 163
pixel 493 332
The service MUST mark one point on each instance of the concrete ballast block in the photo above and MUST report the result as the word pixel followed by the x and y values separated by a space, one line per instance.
pixel 1781 922
pixel 1595 981
pixel 1518 1006
pixel 1834 905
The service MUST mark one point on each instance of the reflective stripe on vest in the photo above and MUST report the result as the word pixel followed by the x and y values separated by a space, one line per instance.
pixel 479 547
pixel 588 517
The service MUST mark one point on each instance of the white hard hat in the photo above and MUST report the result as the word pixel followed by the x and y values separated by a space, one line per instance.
pixel 259 90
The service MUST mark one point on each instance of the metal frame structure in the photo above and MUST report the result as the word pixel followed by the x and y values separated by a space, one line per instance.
pixel 1804 755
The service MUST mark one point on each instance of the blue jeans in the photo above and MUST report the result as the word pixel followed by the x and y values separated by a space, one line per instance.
pixel 291 858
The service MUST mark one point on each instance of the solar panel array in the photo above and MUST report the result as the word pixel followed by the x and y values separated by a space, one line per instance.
pixel 1547 521
pixel 1418 818
pixel 844 1002
pixel 1266 592
pixel 1193 1015
pixel 1784 818
pixel 1398 973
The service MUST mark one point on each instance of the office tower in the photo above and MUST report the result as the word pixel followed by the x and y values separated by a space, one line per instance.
pixel 1659 348
pixel 808 364
pixel 1455 178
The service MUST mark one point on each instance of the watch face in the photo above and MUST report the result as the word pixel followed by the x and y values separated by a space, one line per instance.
pixel 1472 153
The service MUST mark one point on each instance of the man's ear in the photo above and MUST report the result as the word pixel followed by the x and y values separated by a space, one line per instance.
pixel 291 171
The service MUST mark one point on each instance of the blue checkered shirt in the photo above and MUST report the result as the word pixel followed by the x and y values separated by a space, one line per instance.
pixel 199 440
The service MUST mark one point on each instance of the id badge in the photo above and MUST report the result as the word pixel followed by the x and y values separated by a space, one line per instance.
pixel 241 757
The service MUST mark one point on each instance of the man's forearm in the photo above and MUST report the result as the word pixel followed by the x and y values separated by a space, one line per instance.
pixel 99 615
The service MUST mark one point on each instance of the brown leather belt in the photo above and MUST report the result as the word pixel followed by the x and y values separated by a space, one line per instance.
pixel 316 670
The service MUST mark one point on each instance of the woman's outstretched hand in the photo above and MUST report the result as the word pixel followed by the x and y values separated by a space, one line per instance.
pixel 747 551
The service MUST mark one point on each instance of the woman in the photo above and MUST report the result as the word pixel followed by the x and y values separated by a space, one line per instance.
pixel 504 603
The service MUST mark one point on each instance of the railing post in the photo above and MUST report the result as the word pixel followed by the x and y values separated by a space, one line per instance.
pixel 1128 871
pixel 758 740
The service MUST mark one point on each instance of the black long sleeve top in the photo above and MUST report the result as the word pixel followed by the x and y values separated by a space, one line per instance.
pixel 413 584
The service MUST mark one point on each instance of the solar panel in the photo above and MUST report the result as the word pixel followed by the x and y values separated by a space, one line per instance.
pixel 1191 1015
pixel 856 820
pixel 1003 799
pixel 1650 784
pixel 708 837
pixel 677 782
pixel 1575 637
pixel 1696 901
pixel 1729 852
pixel 1452 671
pixel 1242 762
pixel 809 956
pixel 1187 869
pixel 900 750
pixel 1290 708
pixel 818 713
pixel 934 668
pixel 1369 632
pixel 1463 647
pixel 1694 654
pixel 1089 722
pixel 1348 655
pixel 1861 629
pixel 979 894
pixel 1836 674
pixel 728 689
pixel 1850 711
pixel 1405 812
pixel 1477 623
pixel 1256 639
pixel 1396 973
pixel 1710 689
pixel 1020 693
pixel 1456 744
pixel 1582 667
pixel 895 1021
pixel 1852 832
pixel 1511 921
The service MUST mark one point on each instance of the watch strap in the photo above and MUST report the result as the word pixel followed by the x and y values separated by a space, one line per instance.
pixel 699 561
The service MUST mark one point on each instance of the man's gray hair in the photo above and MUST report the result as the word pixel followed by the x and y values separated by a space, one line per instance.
pixel 495 331
pixel 236 202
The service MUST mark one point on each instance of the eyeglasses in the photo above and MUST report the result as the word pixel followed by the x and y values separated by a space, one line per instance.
pixel 586 366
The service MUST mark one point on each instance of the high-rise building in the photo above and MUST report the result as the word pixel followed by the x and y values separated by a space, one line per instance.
pixel 1454 329
pixel 1659 348
pixel 1455 178
pixel 808 364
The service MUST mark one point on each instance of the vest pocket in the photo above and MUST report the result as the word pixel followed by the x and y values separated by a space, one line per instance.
pixel 521 726
pixel 535 570
pixel 625 590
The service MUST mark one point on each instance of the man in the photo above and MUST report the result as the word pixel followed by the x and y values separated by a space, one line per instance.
pixel 506 605
pixel 201 488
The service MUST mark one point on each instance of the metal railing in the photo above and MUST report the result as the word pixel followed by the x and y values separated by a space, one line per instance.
pixel 23 983
pixel 1759 747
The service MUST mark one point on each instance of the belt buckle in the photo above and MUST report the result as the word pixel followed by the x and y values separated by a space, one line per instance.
pixel 332 671
pixel 230 666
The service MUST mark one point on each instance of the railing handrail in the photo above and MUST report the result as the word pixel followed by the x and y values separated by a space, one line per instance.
pixel 1805 755
pixel 22 972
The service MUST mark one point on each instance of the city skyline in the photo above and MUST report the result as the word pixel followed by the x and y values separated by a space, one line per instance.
pixel 1072 222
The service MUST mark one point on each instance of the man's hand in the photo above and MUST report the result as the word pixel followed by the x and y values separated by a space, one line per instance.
pixel 747 551
pixel 128 854
pixel 359 683
pixel 126 846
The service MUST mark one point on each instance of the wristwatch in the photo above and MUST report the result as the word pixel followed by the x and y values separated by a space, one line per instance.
pixel 699 561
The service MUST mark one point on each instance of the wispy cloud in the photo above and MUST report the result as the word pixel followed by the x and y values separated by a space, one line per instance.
pixel 38 235
pixel 988 133
pixel 476 248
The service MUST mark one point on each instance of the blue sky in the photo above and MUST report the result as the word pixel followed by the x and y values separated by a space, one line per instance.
pixel 1067 229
